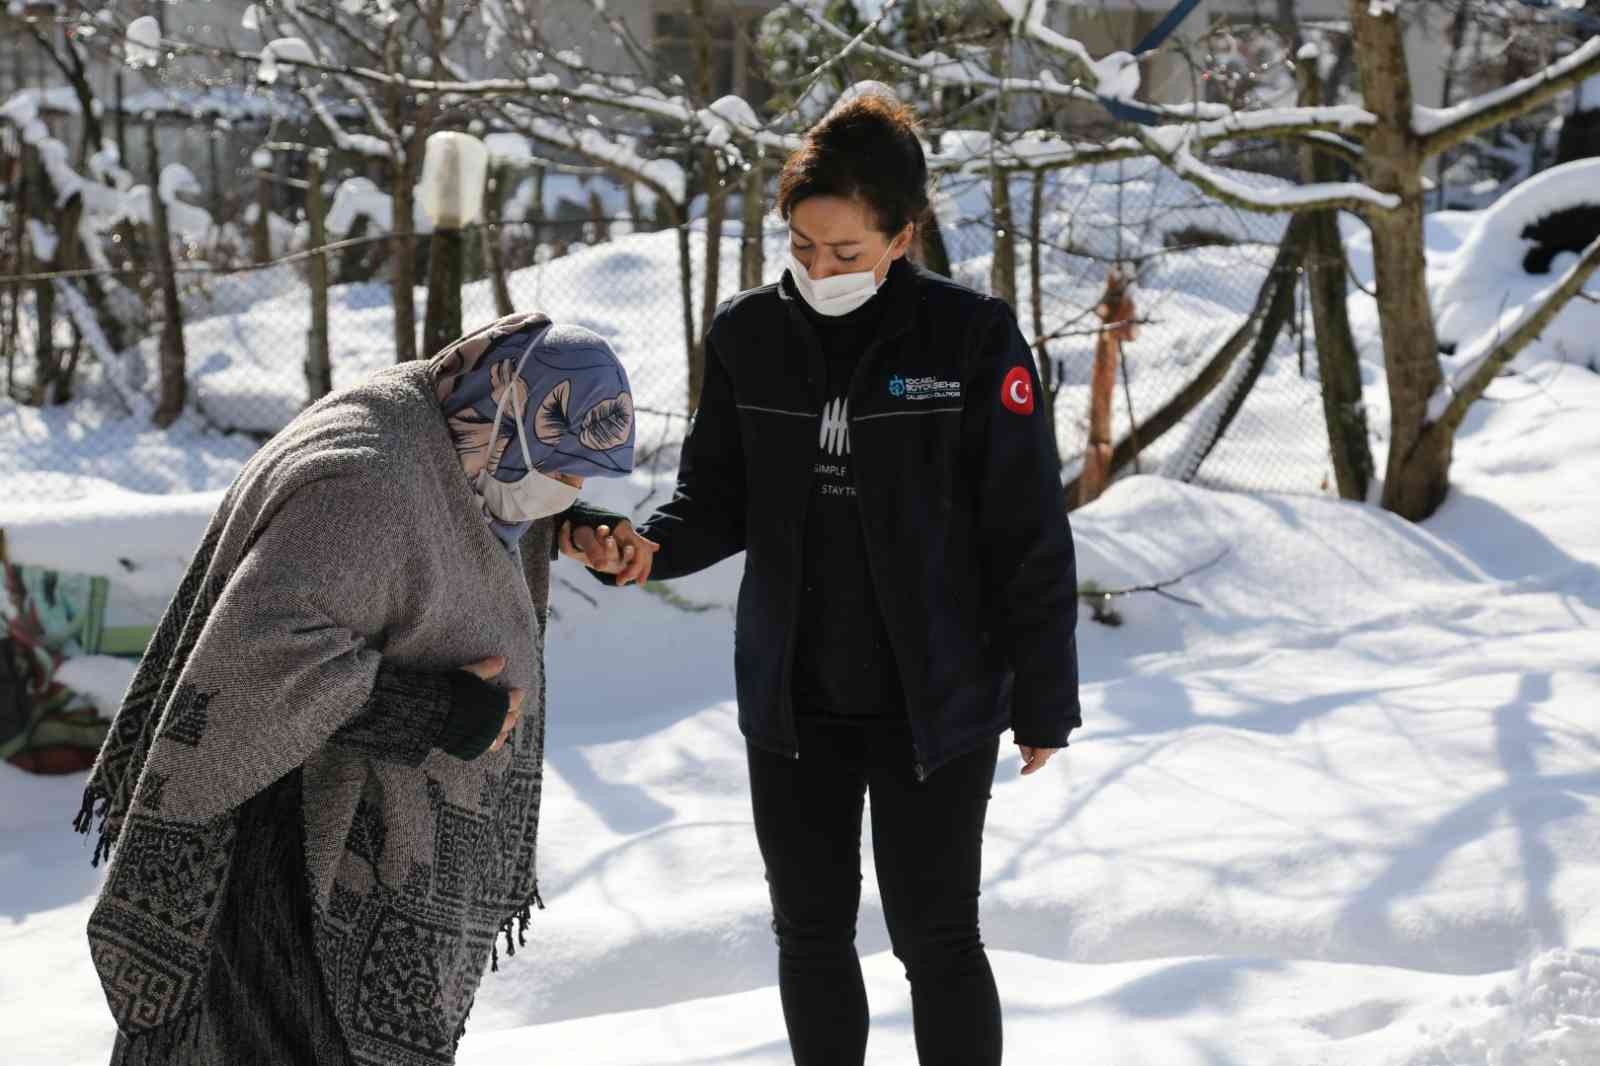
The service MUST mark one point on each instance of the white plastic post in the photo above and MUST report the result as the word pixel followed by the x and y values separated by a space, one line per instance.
pixel 454 167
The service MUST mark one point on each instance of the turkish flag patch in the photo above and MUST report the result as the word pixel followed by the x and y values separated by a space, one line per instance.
pixel 1016 392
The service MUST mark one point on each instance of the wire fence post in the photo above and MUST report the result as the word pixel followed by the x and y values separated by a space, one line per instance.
pixel 752 246
pixel 1003 269
pixel 319 369
pixel 174 359
pixel 1047 370
pixel 493 251
pixel 261 232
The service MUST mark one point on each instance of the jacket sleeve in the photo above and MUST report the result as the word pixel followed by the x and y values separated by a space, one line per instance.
pixel 411 712
pixel 704 522
pixel 1027 556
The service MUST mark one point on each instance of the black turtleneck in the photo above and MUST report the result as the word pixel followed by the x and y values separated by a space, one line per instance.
pixel 844 666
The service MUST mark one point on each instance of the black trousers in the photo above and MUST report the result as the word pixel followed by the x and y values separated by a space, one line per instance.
pixel 928 842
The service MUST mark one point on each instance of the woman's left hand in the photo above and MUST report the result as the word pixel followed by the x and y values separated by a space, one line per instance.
pixel 621 551
pixel 1033 759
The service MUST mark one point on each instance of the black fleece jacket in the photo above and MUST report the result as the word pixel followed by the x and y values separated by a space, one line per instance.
pixel 959 489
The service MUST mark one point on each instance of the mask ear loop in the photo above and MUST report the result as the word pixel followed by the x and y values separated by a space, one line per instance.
pixel 499 411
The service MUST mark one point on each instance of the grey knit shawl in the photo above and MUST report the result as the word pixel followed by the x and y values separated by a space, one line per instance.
pixel 351 538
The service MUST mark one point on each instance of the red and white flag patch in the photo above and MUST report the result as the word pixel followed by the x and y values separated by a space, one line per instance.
pixel 1016 392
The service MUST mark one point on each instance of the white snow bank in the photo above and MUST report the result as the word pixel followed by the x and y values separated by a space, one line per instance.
pixel 103 679
pixel 1549 1017
pixel 1486 284
pixel 91 535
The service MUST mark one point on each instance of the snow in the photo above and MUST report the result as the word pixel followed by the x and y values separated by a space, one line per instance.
pixel 142 47
pixel 1117 75
pixel 509 148
pixel 1485 286
pixel 620 152
pixel 183 220
pixel 176 180
pixel 289 50
pixel 103 679
pixel 1345 812
pixel 43 240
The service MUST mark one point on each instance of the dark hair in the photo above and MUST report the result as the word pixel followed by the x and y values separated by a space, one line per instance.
pixel 865 149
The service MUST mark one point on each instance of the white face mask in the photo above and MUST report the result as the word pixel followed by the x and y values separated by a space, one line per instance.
pixel 840 294
pixel 534 495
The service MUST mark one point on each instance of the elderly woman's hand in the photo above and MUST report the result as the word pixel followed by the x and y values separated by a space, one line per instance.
pixel 487 670
pixel 620 551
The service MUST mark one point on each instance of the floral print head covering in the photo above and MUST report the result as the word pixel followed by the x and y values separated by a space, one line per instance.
pixel 571 398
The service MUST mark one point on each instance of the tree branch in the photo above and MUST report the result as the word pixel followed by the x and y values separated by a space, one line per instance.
pixel 1481 372
pixel 1440 129
pixel 1171 146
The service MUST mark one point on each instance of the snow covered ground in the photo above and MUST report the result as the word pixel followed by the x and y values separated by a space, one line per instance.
pixel 1347 811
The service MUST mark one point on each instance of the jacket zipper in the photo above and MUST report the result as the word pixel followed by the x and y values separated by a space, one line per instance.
pixel 917 765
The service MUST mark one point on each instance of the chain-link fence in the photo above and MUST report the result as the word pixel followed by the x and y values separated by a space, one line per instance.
pixel 1198 272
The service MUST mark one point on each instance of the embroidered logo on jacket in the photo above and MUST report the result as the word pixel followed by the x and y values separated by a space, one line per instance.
pixel 928 388
pixel 1016 392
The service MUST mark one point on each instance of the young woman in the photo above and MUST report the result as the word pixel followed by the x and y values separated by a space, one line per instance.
pixel 868 435
pixel 323 785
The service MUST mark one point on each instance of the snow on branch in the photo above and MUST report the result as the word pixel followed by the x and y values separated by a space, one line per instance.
pixel 1450 404
pixel 665 176
pixel 1173 146
pixel 1443 128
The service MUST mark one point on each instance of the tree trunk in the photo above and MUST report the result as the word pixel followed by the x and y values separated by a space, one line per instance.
pixel 442 321
pixel 1003 266
pixel 1041 350
pixel 752 252
pixel 69 256
pixel 716 201
pixel 44 292
pixel 403 264
pixel 22 193
pixel 174 387
pixel 319 369
pixel 1418 471
pixel 1458 38
pixel 262 230
pixel 121 122
pixel 493 248
pixel 1338 362
pixel 402 166
pixel 691 345
pixel 935 254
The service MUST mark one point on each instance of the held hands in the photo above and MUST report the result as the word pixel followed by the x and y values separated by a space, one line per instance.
pixel 1033 759
pixel 487 670
pixel 620 551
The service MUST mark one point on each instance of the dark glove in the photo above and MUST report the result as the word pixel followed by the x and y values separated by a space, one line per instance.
pixel 477 714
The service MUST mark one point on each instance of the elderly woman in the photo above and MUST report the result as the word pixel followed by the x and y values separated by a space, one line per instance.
pixel 323 785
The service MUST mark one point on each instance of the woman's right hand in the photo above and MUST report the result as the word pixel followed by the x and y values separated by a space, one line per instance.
pixel 487 670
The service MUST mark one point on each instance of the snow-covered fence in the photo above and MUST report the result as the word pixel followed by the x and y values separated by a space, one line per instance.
pixel 1199 270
